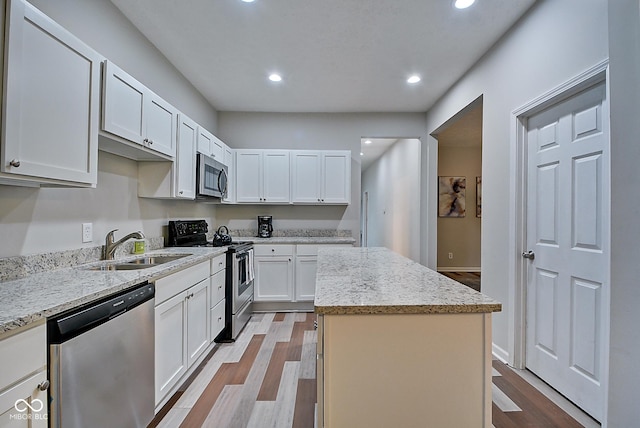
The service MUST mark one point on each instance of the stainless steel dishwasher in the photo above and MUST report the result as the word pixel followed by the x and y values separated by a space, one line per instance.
pixel 101 362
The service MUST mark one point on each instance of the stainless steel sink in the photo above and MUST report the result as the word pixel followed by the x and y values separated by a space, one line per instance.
pixel 155 260
pixel 139 263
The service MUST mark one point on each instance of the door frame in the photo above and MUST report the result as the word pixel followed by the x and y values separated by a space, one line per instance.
pixel 515 355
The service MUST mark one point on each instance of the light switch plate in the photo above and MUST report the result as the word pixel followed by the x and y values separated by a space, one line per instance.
pixel 87 232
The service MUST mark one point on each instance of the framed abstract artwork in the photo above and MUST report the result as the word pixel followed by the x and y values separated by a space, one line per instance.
pixel 451 196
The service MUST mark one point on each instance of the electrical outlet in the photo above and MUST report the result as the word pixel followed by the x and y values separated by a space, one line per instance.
pixel 87 232
pixel 450 256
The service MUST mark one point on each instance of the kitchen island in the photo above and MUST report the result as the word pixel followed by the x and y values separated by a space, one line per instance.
pixel 399 344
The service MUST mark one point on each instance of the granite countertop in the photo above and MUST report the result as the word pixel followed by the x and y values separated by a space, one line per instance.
pixel 378 281
pixel 33 298
pixel 297 240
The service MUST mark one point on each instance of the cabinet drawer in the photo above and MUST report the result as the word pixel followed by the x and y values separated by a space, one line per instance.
pixel 217 288
pixel 175 283
pixel 22 354
pixel 273 250
pixel 307 250
pixel 25 390
pixel 218 263
pixel 217 319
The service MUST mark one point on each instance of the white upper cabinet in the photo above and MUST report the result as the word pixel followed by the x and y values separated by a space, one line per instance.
pixel 248 175
pixel 205 139
pixel 134 113
pixel 321 177
pixel 211 145
pixel 336 177
pixel 51 102
pixel 175 179
pixel 229 155
pixel 186 158
pixel 262 176
pixel 275 177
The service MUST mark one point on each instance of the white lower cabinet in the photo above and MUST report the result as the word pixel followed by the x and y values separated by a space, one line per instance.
pixel 306 267
pixel 23 382
pixel 197 321
pixel 217 296
pixel 287 273
pixel 274 273
pixel 181 325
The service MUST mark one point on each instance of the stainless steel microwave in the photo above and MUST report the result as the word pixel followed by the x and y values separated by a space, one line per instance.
pixel 211 178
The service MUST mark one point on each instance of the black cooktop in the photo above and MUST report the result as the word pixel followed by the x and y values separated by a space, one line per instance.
pixel 193 233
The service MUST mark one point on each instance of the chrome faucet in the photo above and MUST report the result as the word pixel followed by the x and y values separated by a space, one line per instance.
pixel 110 246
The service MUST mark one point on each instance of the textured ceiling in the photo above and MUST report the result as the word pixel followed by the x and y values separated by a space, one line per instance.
pixel 334 55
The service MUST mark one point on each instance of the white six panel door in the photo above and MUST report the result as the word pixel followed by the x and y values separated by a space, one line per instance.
pixel 568 231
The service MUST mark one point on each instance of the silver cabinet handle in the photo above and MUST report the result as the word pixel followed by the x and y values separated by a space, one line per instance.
pixel 44 385
pixel 15 163
pixel 181 192
pixel 146 141
pixel 529 255
pixel 150 141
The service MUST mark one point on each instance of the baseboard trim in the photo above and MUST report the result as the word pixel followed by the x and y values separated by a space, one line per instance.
pixel 500 353
pixel 458 269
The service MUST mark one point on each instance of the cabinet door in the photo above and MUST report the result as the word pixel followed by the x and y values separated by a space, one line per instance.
pixel 276 176
pixel 197 320
pixel 217 287
pixel 306 267
pixel 336 181
pixel 248 176
pixel 185 162
pixel 274 279
pixel 231 179
pixel 51 100
pixel 14 412
pixel 204 141
pixel 160 121
pixel 217 319
pixel 305 177
pixel 123 104
pixel 170 340
pixel 217 149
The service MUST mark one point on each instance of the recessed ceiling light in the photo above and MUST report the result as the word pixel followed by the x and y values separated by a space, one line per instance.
pixel 361 154
pixel 248 1
pixel 275 77
pixel 463 4
pixel 367 142
pixel 413 79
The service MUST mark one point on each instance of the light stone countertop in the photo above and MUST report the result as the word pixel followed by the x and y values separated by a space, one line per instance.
pixel 324 240
pixel 33 298
pixel 378 281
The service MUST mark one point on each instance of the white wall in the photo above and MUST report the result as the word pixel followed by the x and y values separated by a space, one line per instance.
pixel 310 131
pixel 49 219
pixel 393 183
pixel 555 41
pixel 624 375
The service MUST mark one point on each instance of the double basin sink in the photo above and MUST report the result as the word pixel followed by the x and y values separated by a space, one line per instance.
pixel 139 263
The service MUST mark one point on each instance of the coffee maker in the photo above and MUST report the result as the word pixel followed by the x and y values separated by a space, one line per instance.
pixel 265 226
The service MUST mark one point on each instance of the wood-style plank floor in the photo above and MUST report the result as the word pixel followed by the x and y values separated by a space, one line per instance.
pixel 267 379
pixel 470 279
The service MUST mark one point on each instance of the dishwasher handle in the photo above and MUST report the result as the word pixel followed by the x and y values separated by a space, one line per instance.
pixel 71 324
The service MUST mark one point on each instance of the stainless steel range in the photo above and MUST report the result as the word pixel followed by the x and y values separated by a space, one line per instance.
pixel 239 276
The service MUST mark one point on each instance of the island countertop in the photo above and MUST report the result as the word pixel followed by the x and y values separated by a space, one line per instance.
pixel 375 280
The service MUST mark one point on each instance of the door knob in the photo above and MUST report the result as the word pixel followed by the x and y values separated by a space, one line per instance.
pixel 529 255
pixel 15 163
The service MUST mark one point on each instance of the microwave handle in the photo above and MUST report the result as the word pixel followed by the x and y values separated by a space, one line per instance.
pixel 226 182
